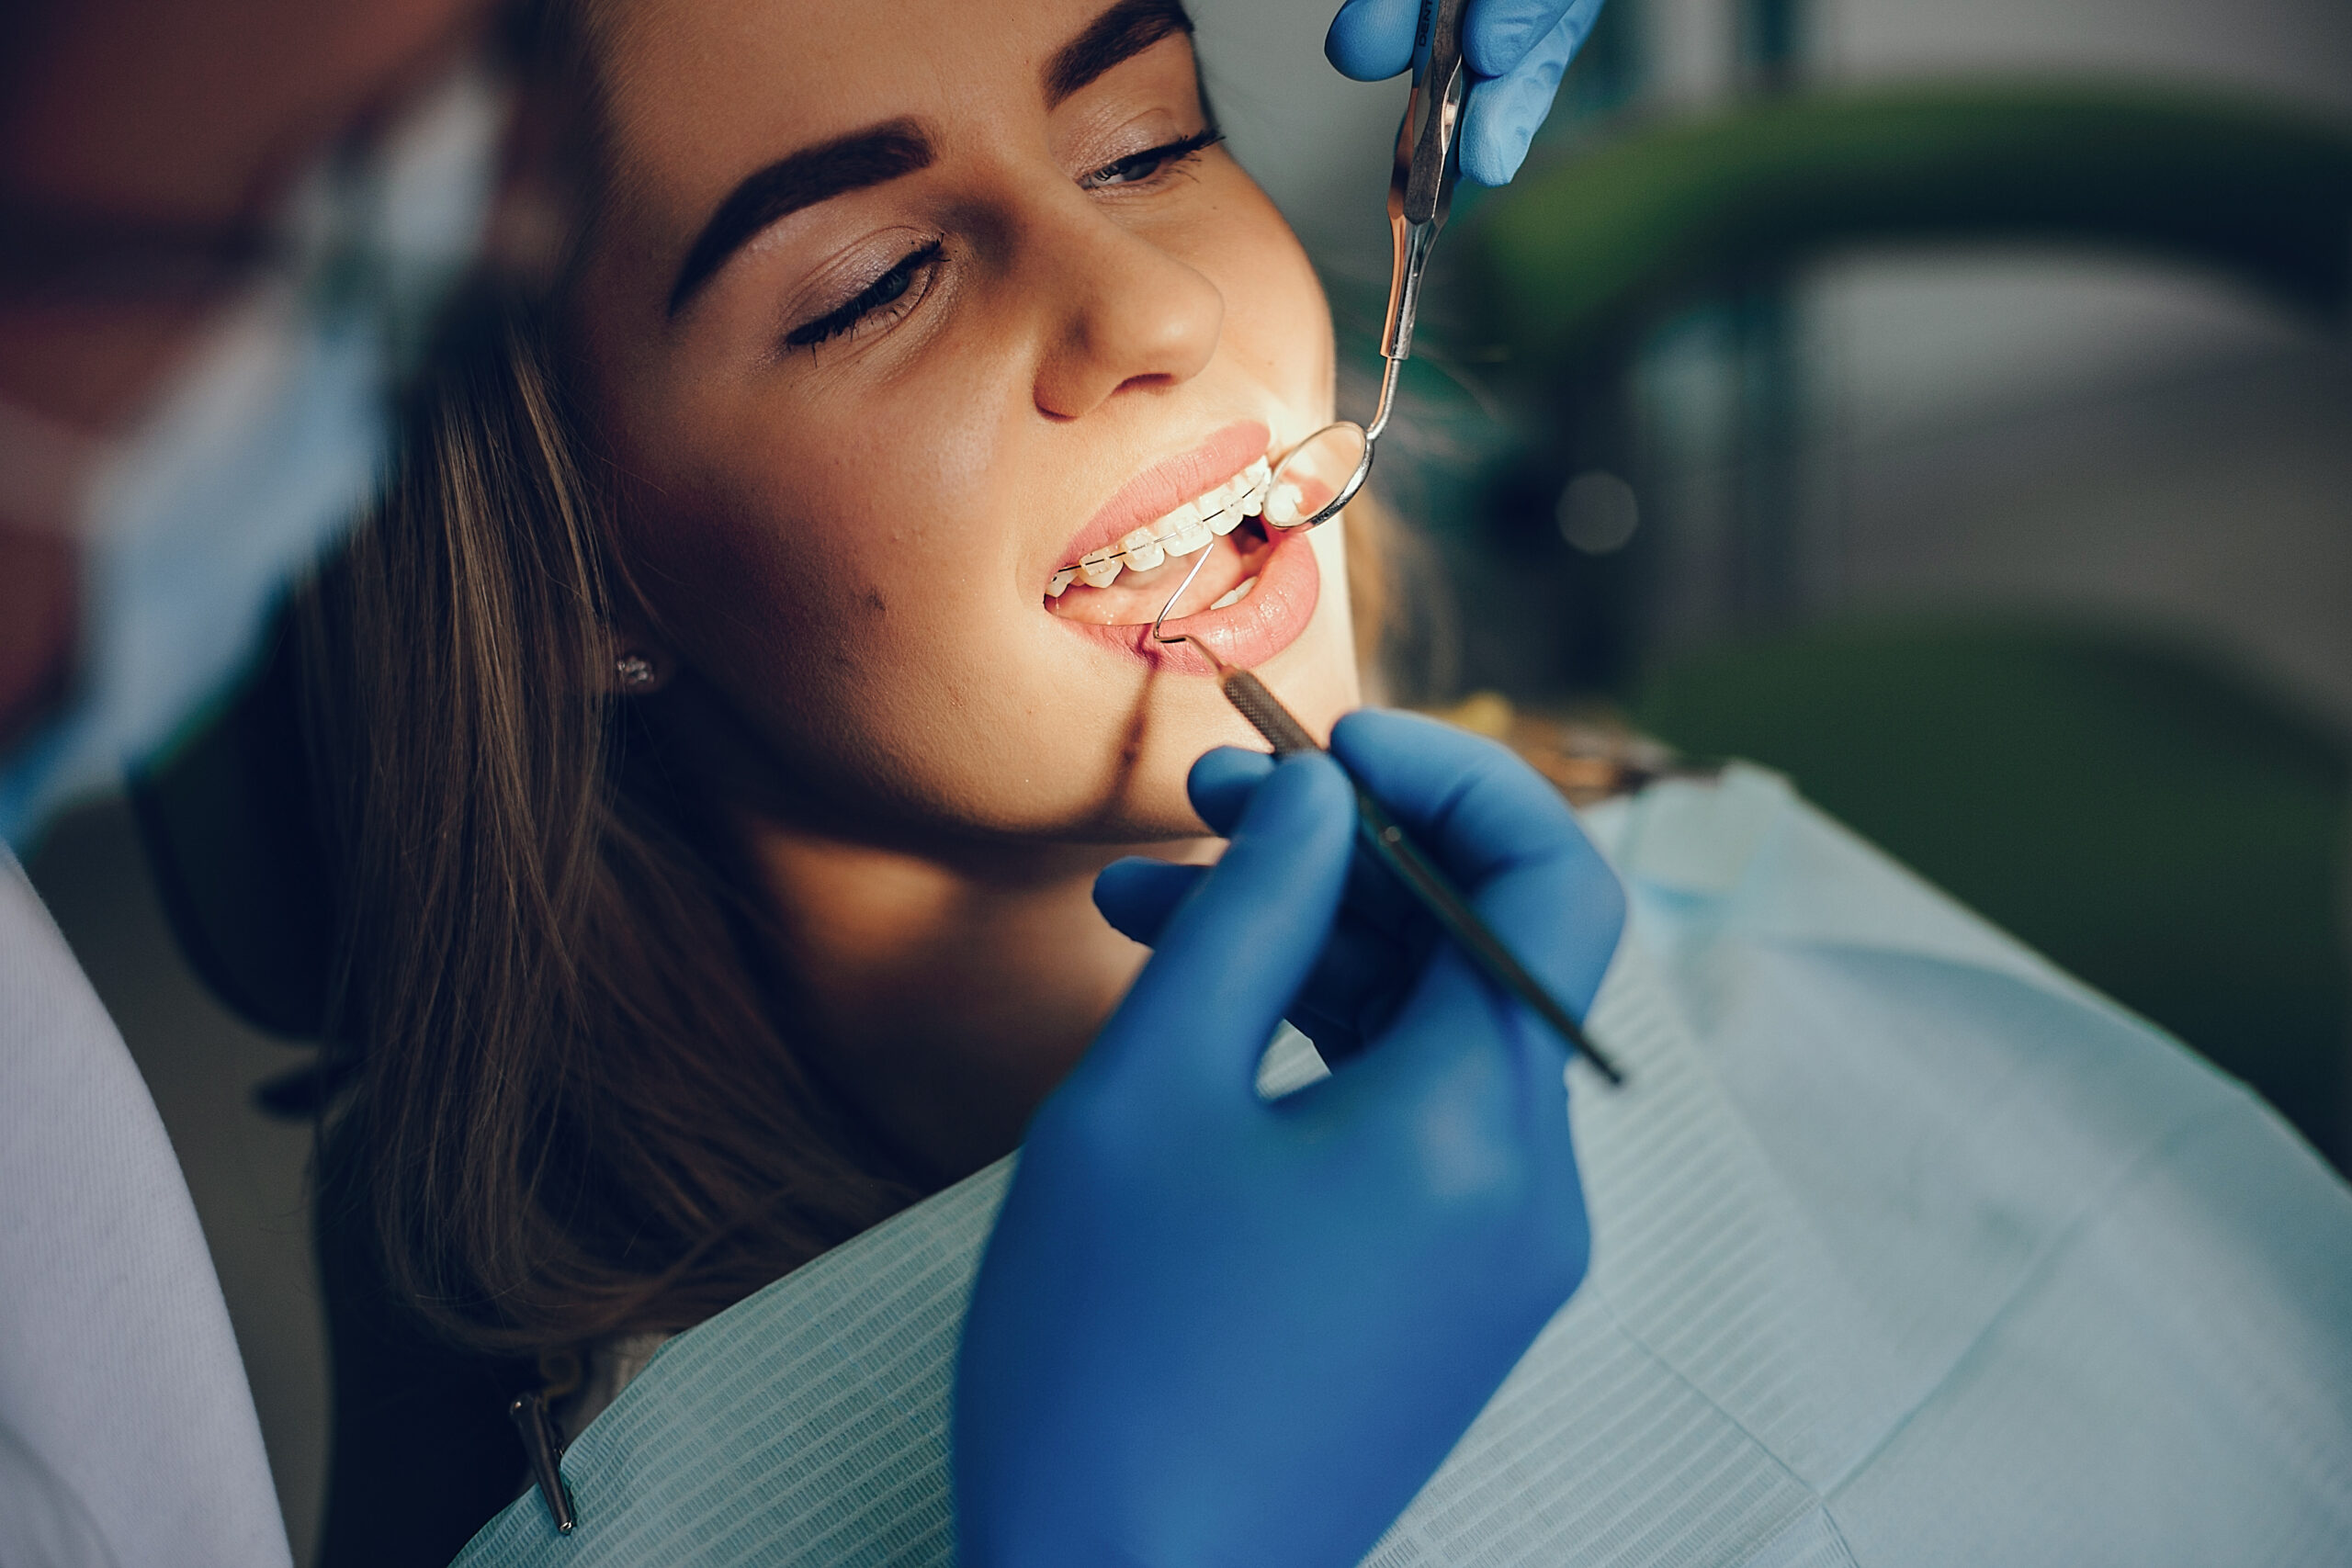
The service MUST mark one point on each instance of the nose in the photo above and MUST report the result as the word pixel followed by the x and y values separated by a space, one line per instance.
pixel 1123 314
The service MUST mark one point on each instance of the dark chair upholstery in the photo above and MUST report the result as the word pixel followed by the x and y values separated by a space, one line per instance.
pixel 423 1454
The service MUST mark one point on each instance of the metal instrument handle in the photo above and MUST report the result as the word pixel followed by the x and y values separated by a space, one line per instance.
pixel 1429 183
pixel 1420 186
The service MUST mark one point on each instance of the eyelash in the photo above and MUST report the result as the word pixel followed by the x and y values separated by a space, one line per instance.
pixel 1160 160
pixel 892 286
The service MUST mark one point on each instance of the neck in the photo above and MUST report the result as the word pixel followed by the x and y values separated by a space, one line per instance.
pixel 952 993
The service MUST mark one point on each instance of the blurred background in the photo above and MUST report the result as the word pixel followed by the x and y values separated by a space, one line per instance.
pixel 1948 405
pixel 1984 419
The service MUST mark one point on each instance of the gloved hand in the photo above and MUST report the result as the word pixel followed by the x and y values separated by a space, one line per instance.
pixel 1211 1329
pixel 1516 51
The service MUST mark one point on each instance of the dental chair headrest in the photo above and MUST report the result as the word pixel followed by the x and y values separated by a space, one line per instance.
pixel 231 834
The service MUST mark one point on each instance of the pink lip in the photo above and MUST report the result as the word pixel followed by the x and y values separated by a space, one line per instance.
pixel 1247 634
pixel 1158 491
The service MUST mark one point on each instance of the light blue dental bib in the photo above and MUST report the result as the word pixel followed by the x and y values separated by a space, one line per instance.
pixel 1907 1250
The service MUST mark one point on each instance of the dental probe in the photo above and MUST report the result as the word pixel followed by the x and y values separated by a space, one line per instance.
pixel 1395 848
pixel 1411 865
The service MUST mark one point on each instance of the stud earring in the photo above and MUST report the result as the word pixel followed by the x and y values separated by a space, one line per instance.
pixel 635 672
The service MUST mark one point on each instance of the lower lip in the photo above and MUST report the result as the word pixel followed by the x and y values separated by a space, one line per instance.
pixel 1267 620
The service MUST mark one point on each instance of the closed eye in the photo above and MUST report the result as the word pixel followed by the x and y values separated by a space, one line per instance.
pixel 1141 168
pixel 891 289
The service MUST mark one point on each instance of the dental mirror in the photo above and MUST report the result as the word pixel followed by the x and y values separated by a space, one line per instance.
pixel 1334 462
pixel 1319 476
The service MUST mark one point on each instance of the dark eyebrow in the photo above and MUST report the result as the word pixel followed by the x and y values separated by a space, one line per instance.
pixel 1121 33
pixel 863 158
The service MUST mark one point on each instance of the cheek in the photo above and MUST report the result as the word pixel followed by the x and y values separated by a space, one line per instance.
pixel 812 517
pixel 826 565
pixel 1278 324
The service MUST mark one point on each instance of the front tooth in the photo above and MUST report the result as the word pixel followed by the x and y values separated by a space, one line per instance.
pixel 1143 551
pixel 1191 534
pixel 1100 567
pixel 1282 506
pixel 1240 591
pixel 1060 584
pixel 1225 521
pixel 1257 473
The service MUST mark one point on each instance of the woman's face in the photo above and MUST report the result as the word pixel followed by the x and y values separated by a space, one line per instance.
pixel 896 309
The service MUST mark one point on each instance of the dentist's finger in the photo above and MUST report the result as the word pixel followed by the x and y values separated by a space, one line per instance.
pixel 1505 836
pixel 1503 112
pixel 1222 782
pixel 1498 34
pixel 1220 785
pixel 1372 41
pixel 1239 947
pixel 1470 801
pixel 1359 979
pixel 1138 895
pixel 1359 982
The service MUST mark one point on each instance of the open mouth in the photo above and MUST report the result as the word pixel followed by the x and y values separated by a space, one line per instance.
pixel 1128 583
pixel 1253 580
pixel 1139 593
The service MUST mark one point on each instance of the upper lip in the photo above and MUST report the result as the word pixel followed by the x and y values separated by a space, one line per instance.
pixel 1162 487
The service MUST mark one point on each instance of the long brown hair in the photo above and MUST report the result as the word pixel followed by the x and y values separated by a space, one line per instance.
pixel 579 1109
pixel 577 1112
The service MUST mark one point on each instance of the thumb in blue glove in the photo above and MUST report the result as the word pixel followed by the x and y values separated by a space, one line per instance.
pixel 1516 51
pixel 1213 1329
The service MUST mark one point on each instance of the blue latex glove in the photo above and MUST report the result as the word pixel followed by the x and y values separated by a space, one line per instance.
pixel 1210 1329
pixel 1516 51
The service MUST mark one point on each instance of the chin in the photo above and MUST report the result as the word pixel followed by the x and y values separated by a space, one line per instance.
pixel 1315 677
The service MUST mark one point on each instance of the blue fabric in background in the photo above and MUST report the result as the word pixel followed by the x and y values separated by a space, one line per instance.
pixel 1908 1250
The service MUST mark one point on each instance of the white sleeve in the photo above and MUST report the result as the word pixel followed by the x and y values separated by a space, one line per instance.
pixel 127 1431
